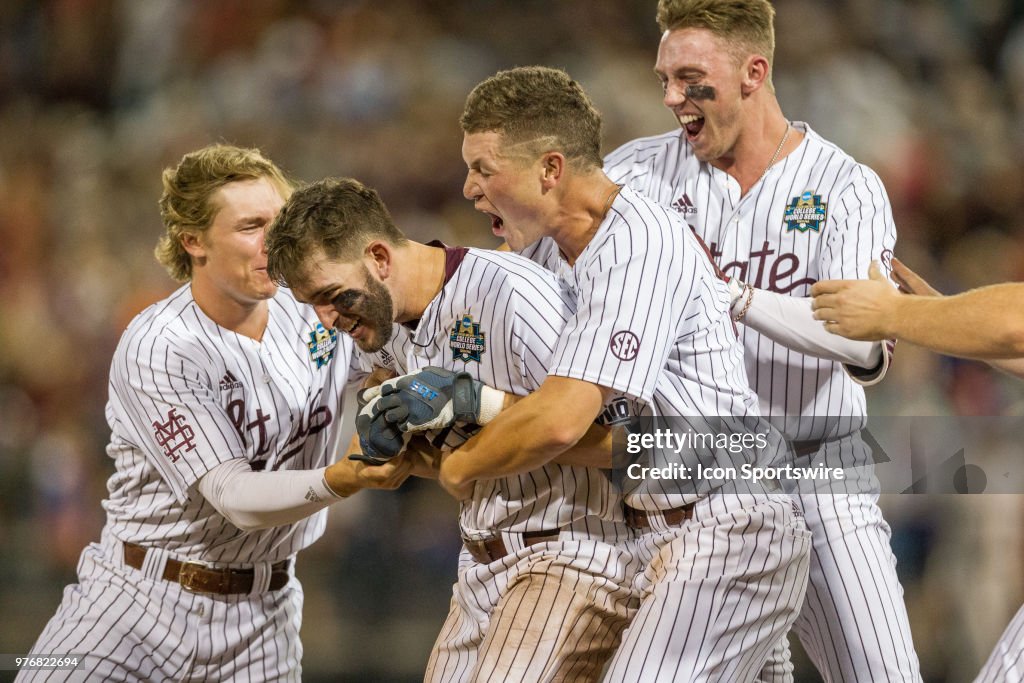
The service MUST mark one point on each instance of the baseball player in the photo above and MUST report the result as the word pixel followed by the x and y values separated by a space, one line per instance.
pixel 543 593
pixel 779 208
pixel 224 407
pixel 723 573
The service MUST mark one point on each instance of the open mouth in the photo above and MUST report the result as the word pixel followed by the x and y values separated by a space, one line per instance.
pixel 496 223
pixel 356 324
pixel 693 124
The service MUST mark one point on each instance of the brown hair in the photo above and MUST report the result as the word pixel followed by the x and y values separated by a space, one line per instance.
pixel 748 25
pixel 540 106
pixel 337 215
pixel 186 203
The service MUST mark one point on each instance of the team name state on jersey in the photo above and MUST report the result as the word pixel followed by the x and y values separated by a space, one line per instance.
pixel 816 214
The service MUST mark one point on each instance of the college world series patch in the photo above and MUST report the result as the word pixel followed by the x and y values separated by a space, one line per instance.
pixel 466 339
pixel 321 344
pixel 806 212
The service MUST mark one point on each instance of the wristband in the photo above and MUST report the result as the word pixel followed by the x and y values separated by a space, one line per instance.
pixel 491 403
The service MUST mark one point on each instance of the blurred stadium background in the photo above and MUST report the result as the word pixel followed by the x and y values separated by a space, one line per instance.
pixel 97 96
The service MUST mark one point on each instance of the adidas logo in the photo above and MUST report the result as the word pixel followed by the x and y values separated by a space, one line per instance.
pixel 684 206
pixel 228 382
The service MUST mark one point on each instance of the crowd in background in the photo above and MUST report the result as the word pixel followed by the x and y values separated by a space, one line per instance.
pixel 97 96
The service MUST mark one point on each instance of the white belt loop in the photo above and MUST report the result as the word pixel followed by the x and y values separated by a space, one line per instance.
pixel 260 578
pixel 153 564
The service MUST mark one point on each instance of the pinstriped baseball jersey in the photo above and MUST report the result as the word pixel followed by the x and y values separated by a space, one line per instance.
pixel 500 317
pixel 652 323
pixel 817 214
pixel 1006 663
pixel 649 300
pixel 187 395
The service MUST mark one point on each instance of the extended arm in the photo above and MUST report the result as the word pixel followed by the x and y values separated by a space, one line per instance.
pixel 790 321
pixel 531 433
pixel 259 500
pixel 984 323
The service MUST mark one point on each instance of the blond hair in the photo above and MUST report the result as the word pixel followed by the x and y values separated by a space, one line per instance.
pixel 747 25
pixel 538 107
pixel 186 204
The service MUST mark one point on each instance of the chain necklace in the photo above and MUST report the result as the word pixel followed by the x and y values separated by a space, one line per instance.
pixel 782 143
pixel 609 200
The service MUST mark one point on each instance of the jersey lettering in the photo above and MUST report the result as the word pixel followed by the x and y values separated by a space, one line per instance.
pixel 625 345
pixel 782 267
pixel 236 411
pixel 174 434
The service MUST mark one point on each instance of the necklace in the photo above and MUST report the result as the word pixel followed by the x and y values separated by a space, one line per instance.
pixel 775 156
pixel 609 200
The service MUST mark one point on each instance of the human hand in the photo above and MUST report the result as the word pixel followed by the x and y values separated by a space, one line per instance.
pixel 349 475
pixel 857 309
pixel 435 398
pixel 379 439
pixel 910 282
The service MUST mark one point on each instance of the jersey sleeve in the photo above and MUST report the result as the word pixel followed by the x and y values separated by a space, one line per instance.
pixel 172 408
pixel 632 306
pixel 539 311
pixel 862 230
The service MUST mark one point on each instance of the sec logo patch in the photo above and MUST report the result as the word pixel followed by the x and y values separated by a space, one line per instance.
pixel 625 345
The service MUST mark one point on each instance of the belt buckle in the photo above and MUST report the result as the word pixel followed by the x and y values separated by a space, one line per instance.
pixel 477 548
pixel 188 577
pixel 486 548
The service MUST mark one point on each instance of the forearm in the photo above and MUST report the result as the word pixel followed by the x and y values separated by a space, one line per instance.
pixel 790 321
pixel 536 430
pixel 259 500
pixel 1010 366
pixel 985 323
pixel 594 449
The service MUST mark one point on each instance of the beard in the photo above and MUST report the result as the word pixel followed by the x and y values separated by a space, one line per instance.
pixel 377 314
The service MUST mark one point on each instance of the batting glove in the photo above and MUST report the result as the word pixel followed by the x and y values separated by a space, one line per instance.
pixel 434 398
pixel 379 439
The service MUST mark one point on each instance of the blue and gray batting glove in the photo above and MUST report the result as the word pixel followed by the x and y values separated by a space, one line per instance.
pixel 379 439
pixel 435 398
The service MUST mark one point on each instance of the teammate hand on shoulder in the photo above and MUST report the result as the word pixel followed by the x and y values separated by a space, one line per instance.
pixel 434 398
pixel 347 476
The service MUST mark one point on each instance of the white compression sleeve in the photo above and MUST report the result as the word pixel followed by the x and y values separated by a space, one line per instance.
pixel 790 321
pixel 259 500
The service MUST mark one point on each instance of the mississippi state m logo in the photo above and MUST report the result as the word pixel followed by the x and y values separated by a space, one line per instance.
pixel 174 435
pixel 625 345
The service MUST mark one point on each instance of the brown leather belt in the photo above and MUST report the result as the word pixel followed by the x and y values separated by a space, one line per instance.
pixel 493 549
pixel 197 577
pixel 805 448
pixel 639 519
